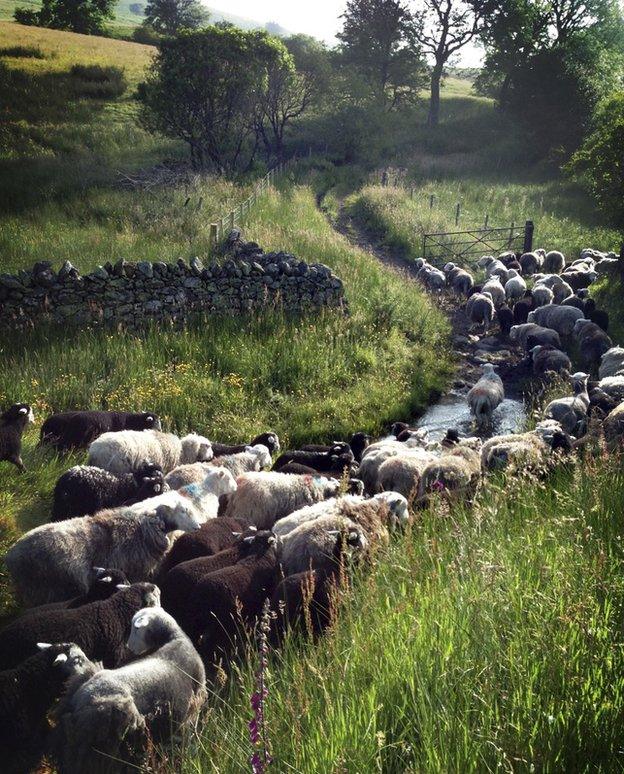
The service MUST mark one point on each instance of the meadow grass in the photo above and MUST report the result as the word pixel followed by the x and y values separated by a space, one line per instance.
pixel 564 218
pixel 312 378
pixel 483 640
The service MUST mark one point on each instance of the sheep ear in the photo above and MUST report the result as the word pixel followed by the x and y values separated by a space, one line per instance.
pixel 44 645
pixel 141 622
pixel 149 418
pixel 99 570
pixel 253 528
pixel 333 532
pixel 353 538
pixel 60 659
pixel 249 539
pixel 272 539
pixel 106 579
pixel 122 586
pixel 23 411
pixel 248 448
pixel 237 534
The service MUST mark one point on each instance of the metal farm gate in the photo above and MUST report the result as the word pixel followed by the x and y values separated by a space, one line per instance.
pixel 475 242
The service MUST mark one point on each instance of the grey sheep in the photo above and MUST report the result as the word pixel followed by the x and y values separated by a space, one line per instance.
pixel 99 628
pixel 77 429
pixel 593 342
pixel 13 422
pixel 128 450
pixel 54 562
pixel 456 472
pixel 254 458
pixel 312 545
pixel 531 263
pixel 571 412
pixel 263 498
pixel 614 428
pixel 554 262
pixel 542 296
pixel 480 309
pixel 529 335
pixel 546 358
pixel 524 452
pixel 485 396
pixel 612 362
pixel 84 490
pixel 27 692
pixel 559 318
pixel 105 723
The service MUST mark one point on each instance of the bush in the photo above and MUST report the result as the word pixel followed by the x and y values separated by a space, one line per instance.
pixel 599 162
pixel 26 16
pixel 146 34
pixel 97 82
pixel 24 52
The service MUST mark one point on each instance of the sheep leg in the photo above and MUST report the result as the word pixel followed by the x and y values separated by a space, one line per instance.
pixel 17 461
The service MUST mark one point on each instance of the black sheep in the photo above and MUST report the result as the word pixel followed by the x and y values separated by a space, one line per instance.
pixel 179 585
pixel 13 422
pixel 522 307
pixel 103 586
pixel 213 536
pixel 593 344
pixel 27 693
pixel 99 628
pixel 84 490
pixel 270 440
pixel 474 289
pixel 505 319
pixel 306 600
pixel 227 598
pixel 575 301
pixel 597 316
pixel 357 443
pixel 321 461
pixel 77 429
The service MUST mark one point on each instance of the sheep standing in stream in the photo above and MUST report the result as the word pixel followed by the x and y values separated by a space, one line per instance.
pixel 486 395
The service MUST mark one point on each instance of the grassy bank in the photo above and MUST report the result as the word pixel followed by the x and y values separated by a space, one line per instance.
pixel 482 641
pixel 310 379
pixel 563 216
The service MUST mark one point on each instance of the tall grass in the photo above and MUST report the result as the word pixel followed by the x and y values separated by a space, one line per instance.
pixel 483 641
pixel 564 218
pixel 310 378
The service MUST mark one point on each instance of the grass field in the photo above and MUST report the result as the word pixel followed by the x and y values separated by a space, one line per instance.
pixel 483 641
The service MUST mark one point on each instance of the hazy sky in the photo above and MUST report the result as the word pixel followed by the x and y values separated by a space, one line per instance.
pixel 319 18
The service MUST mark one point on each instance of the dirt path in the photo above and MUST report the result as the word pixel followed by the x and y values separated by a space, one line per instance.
pixel 471 351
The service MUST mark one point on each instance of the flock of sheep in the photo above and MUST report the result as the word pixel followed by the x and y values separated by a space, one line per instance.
pixel 161 552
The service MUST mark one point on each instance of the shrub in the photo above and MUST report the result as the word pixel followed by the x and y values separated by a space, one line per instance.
pixel 23 52
pixel 146 34
pixel 27 17
pixel 599 162
pixel 97 82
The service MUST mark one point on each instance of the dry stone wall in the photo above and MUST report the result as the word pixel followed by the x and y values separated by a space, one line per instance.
pixel 133 294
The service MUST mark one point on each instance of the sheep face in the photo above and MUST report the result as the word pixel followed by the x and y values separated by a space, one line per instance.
pixel 178 514
pixel 219 481
pixel 19 411
pixel 397 505
pixel 259 542
pixel 332 487
pixel 196 448
pixel 66 657
pixel 262 453
pixel 151 628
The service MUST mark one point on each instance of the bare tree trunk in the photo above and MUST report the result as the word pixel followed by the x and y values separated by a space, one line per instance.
pixel 433 119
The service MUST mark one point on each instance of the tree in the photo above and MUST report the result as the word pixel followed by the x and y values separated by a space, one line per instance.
pixel 206 87
pixel 446 26
pixel 549 62
pixel 168 17
pixel 379 41
pixel 85 16
pixel 599 162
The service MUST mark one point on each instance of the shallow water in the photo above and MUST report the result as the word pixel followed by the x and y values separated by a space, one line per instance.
pixel 452 411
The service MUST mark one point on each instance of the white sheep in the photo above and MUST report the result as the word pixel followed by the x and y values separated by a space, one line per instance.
pixel 571 411
pixel 263 498
pixel 558 318
pixel 402 472
pixel 612 362
pixel 480 309
pixel 486 395
pixel 254 458
pixel 496 290
pixel 316 544
pixel 515 287
pixel 522 452
pixel 128 450
pixel 55 561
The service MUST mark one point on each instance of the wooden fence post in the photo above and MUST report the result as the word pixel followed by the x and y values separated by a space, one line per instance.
pixel 528 236
pixel 487 217
pixel 511 234
pixel 457 211
pixel 213 235
pixel 231 220
pixel 431 201
pixel 411 193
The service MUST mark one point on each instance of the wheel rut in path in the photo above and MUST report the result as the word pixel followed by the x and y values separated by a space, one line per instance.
pixel 471 351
